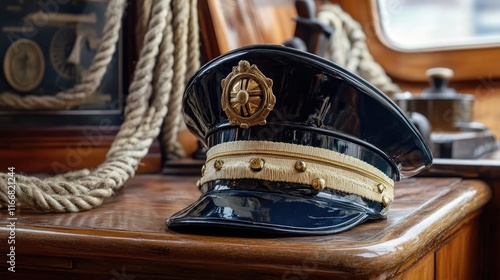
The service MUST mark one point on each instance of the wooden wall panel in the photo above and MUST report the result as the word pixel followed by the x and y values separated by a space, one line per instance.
pixel 459 258
pixel 423 270
pixel 229 24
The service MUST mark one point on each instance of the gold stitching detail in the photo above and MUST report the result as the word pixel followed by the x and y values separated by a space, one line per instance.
pixel 340 172
pixel 320 160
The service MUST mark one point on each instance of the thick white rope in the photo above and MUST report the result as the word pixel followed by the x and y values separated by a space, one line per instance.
pixel 185 64
pixel 90 81
pixel 146 109
pixel 143 16
pixel 171 125
pixel 193 60
pixel 347 47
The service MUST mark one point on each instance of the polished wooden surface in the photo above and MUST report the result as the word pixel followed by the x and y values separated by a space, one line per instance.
pixel 58 150
pixel 488 170
pixel 128 234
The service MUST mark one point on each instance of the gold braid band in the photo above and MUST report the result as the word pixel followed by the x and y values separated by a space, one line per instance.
pixel 283 162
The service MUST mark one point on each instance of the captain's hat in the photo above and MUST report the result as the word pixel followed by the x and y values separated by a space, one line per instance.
pixel 296 145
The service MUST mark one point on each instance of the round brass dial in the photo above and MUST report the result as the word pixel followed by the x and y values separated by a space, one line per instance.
pixel 24 65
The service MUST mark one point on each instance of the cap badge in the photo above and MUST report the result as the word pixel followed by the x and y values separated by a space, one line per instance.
pixel 247 95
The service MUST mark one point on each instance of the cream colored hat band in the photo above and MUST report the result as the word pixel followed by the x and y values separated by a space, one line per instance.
pixel 284 162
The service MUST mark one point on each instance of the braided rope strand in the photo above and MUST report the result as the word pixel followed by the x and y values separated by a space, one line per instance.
pixel 143 16
pixel 193 60
pixel 172 149
pixel 146 109
pixel 140 87
pixel 347 47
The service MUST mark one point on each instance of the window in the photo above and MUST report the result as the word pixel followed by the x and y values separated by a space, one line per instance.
pixel 429 24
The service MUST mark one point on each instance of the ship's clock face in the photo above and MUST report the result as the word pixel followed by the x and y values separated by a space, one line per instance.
pixel 24 65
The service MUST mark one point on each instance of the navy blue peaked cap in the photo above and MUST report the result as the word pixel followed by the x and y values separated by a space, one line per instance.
pixel 296 144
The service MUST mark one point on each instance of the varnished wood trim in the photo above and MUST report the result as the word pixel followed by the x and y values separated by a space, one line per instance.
pixel 229 24
pixel 468 64
pixel 423 270
pixel 459 258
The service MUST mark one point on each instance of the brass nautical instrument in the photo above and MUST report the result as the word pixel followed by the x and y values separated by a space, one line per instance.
pixel 453 133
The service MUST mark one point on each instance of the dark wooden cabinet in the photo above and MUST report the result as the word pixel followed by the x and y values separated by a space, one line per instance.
pixel 433 231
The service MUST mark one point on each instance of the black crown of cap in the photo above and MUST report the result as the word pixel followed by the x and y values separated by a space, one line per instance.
pixel 318 103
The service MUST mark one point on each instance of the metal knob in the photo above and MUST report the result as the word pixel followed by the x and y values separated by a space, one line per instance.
pixel 439 78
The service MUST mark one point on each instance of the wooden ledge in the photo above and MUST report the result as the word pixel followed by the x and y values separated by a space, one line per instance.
pixel 129 230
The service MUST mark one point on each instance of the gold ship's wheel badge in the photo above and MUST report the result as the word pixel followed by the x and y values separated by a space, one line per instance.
pixel 247 96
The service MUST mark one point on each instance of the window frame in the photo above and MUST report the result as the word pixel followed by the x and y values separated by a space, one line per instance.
pixel 468 62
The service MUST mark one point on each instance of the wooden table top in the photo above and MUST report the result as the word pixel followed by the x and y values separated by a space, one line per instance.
pixel 131 226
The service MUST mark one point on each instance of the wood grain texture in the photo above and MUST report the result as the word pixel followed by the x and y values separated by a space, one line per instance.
pixel 487 170
pixel 423 270
pixel 58 150
pixel 129 231
pixel 459 258
pixel 229 24
pixel 490 223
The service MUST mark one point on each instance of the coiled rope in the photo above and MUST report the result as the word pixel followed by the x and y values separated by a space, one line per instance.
pixel 347 47
pixel 151 100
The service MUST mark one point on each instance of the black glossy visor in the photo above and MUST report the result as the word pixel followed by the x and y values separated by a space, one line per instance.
pixel 282 213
